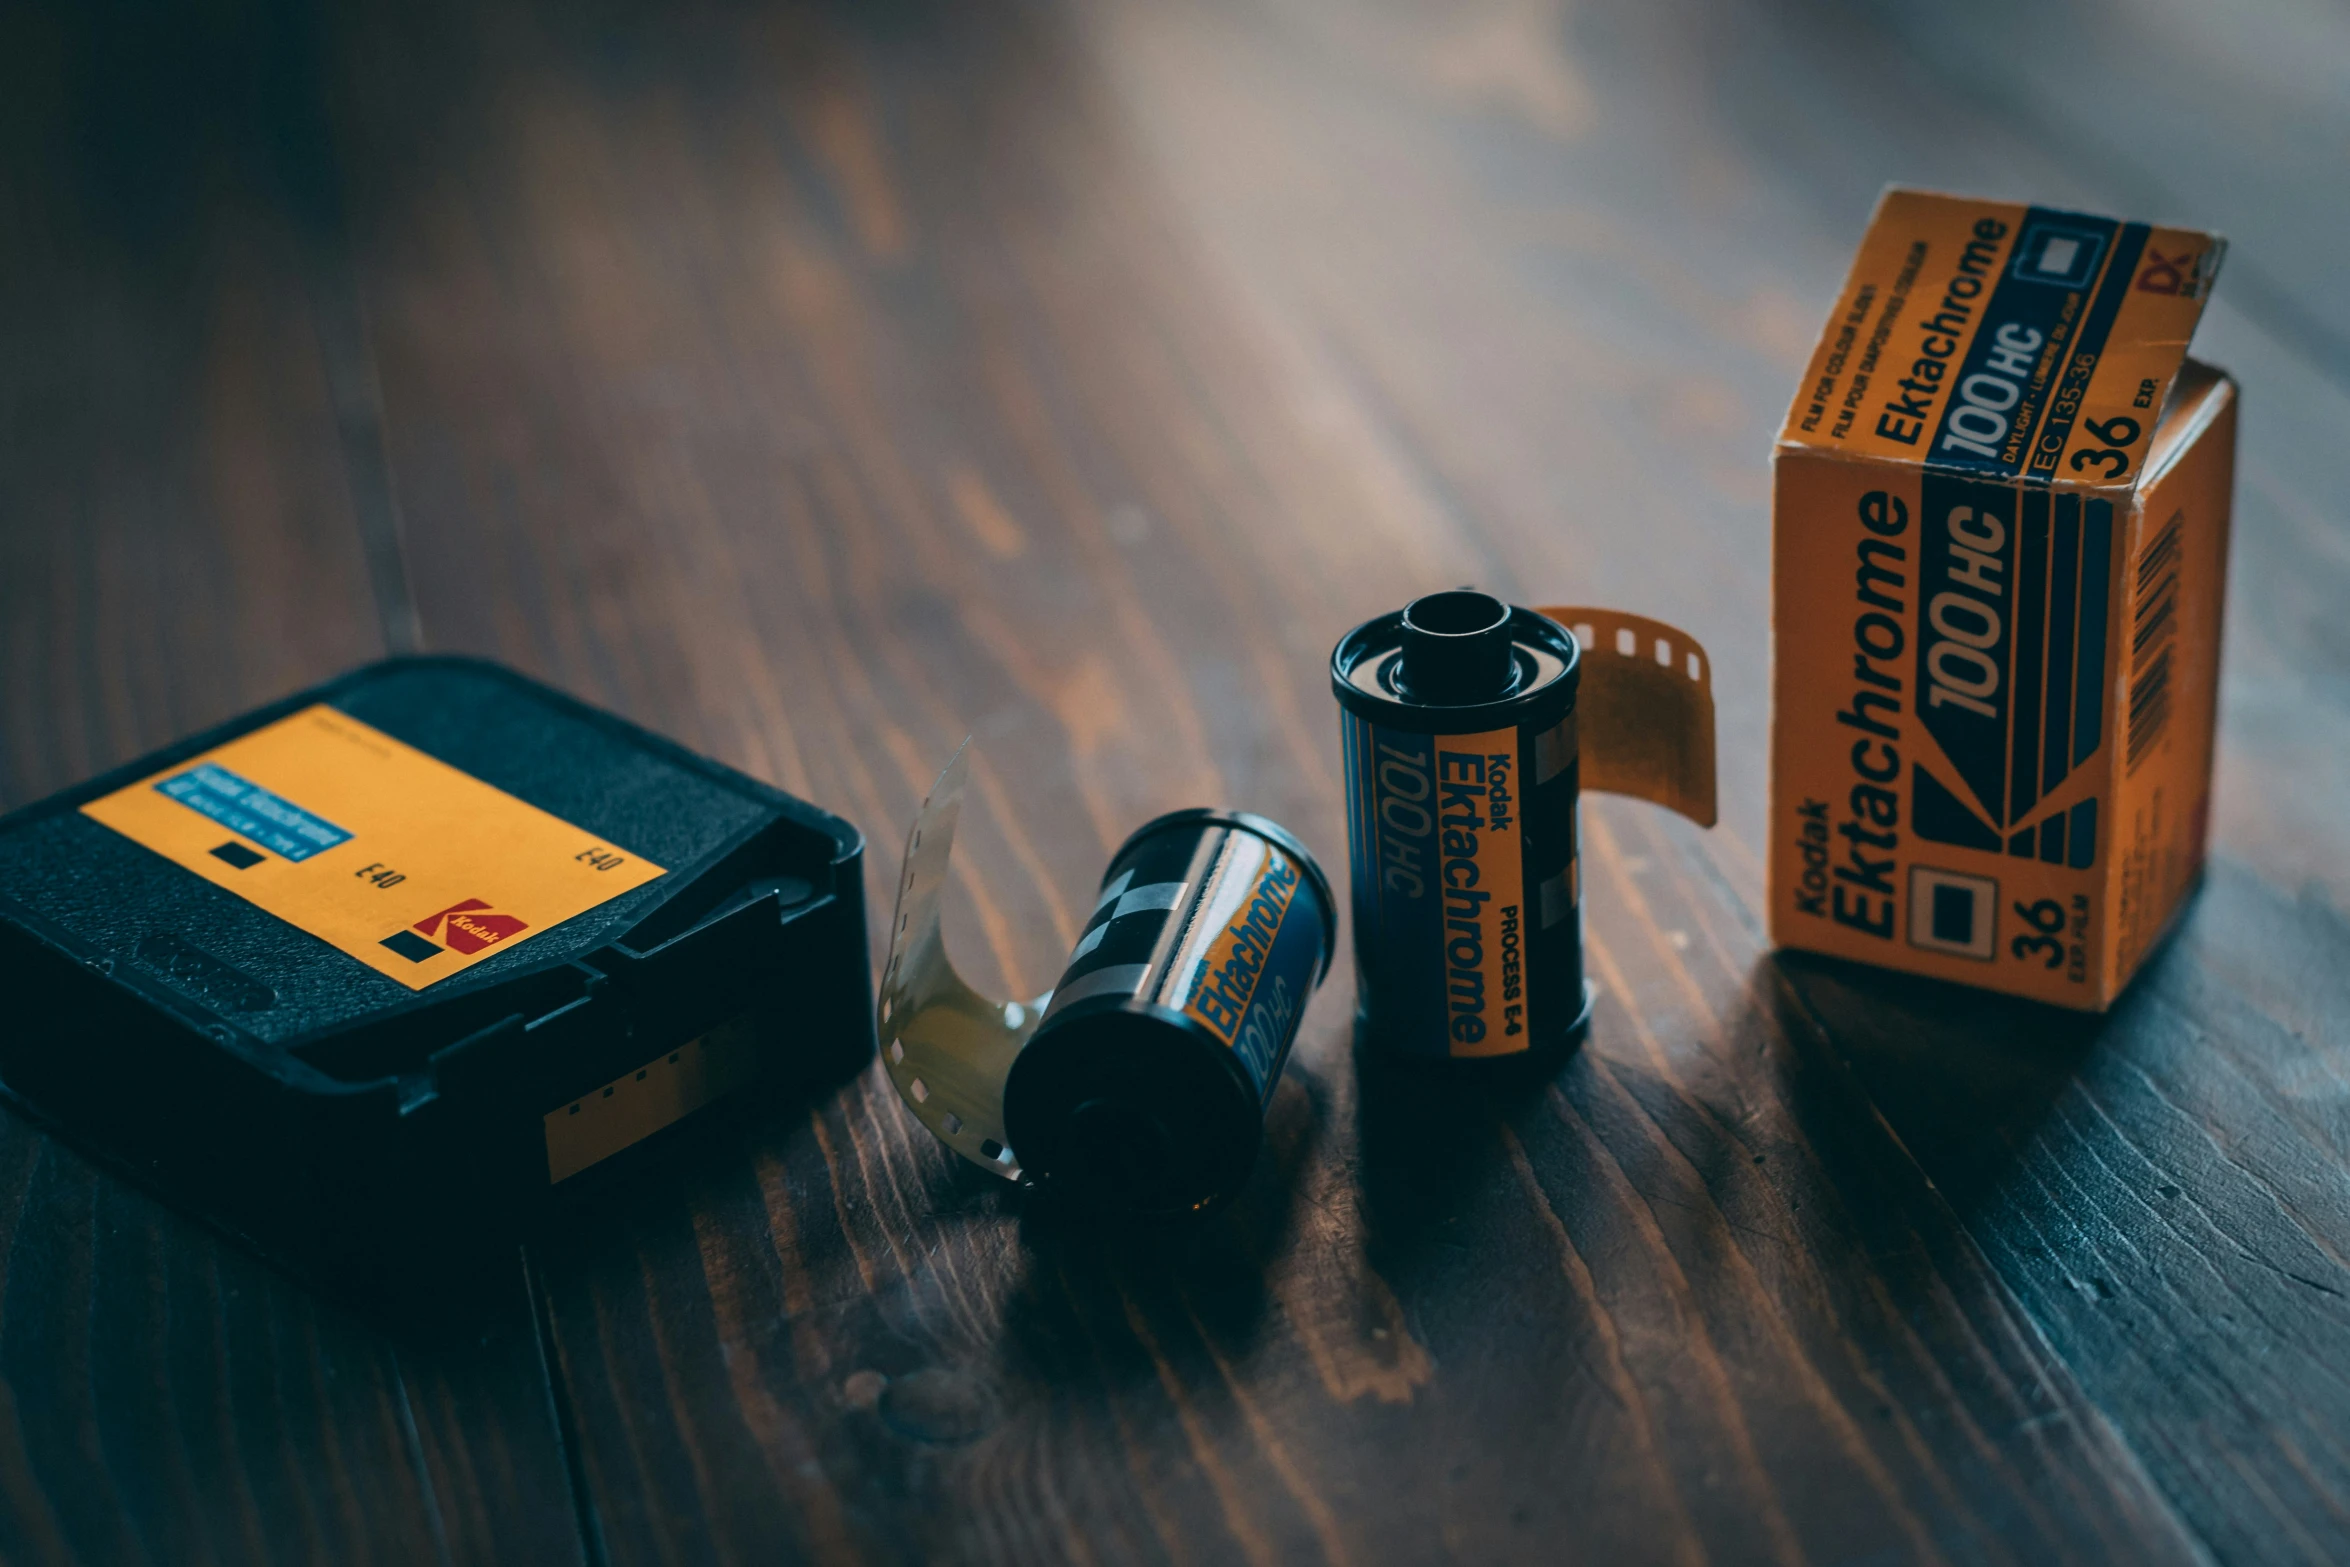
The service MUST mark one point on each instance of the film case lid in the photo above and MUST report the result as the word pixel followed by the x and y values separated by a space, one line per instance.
pixel 431 928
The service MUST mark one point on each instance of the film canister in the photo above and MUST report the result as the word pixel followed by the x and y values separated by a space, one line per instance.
pixel 1458 725
pixel 1145 1085
pixel 1140 1081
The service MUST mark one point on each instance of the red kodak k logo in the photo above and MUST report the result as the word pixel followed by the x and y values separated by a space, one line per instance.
pixel 468 931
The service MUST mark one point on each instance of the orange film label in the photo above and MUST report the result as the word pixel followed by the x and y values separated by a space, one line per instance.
pixel 1465 886
pixel 1999 525
pixel 394 857
pixel 2004 341
pixel 1480 875
pixel 1447 847
pixel 1240 925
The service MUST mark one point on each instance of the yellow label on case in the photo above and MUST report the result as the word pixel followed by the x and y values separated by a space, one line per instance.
pixel 414 868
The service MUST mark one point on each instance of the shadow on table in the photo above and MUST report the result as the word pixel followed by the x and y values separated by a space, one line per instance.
pixel 1964 1077
pixel 439 1270
pixel 1209 1268
pixel 1429 1136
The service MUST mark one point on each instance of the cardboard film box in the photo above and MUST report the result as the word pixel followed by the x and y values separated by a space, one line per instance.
pixel 1999 551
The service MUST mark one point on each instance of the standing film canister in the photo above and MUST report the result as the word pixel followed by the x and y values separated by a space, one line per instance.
pixel 1144 1087
pixel 1459 733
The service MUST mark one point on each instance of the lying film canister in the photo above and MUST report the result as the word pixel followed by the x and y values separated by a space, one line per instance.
pixel 1143 1084
pixel 1146 1083
pixel 1459 735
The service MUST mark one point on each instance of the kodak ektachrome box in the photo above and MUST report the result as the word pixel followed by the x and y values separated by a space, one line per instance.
pixel 1999 550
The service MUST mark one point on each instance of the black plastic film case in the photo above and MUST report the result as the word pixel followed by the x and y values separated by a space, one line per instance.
pixel 417 947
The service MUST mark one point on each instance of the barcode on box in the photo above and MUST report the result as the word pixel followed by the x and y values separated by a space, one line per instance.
pixel 2154 629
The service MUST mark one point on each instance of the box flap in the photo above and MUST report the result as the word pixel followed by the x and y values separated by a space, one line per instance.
pixel 2196 398
pixel 2004 341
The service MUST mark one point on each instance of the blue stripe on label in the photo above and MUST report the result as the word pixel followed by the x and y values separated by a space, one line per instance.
pixel 1269 1022
pixel 2031 628
pixel 1966 561
pixel 2081 852
pixel 2027 321
pixel 2064 608
pixel 250 811
pixel 2096 581
pixel 1362 830
pixel 2073 385
pixel 1399 921
pixel 1362 837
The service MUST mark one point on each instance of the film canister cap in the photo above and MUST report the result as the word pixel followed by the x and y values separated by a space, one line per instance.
pixel 1456 648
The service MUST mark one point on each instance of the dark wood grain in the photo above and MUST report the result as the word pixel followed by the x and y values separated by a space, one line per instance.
pixel 2184 109
pixel 183 493
pixel 818 384
pixel 1806 107
pixel 2162 1191
pixel 170 1398
pixel 1076 384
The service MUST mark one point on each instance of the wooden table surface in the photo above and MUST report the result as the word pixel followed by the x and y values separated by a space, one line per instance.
pixel 817 385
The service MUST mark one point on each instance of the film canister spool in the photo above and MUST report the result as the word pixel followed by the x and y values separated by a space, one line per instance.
pixel 1145 1085
pixel 1461 760
pixel 1471 728
pixel 1140 1081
